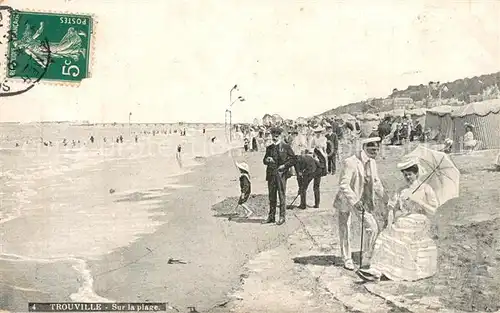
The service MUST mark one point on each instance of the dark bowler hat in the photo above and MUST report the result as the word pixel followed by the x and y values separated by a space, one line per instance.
pixel 276 130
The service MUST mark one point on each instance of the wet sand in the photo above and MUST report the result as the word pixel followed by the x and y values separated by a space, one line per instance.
pixel 214 249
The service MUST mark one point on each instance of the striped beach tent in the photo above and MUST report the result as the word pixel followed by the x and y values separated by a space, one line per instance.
pixel 438 120
pixel 367 122
pixel 485 116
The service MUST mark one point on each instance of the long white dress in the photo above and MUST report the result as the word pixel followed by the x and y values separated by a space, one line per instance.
pixel 405 250
pixel 469 140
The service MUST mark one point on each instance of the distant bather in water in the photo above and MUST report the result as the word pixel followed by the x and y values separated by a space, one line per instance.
pixel 178 155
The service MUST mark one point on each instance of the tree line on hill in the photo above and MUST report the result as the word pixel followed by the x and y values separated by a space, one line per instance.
pixel 463 90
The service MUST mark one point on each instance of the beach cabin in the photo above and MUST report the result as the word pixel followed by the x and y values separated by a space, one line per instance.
pixel 417 115
pixel 439 122
pixel 485 116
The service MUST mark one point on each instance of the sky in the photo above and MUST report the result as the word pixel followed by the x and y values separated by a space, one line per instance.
pixel 170 61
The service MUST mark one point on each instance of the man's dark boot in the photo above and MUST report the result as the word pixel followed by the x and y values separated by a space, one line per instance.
pixel 270 220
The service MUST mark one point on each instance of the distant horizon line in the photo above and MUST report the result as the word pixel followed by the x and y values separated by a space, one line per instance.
pixel 111 123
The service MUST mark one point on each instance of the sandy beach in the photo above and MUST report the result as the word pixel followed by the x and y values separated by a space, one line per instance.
pixel 193 258
pixel 213 249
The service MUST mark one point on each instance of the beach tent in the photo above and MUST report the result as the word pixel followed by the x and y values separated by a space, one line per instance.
pixel 418 115
pixel 368 122
pixel 396 113
pixel 439 121
pixel 485 116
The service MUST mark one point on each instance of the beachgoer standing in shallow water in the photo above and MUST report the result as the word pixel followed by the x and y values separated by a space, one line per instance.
pixel 178 155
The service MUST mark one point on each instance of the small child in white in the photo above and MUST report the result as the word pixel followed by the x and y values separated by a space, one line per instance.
pixel 245 187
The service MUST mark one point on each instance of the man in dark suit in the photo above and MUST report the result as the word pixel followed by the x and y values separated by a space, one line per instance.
pixel 308 169
pixel 279 158
pixel 332 146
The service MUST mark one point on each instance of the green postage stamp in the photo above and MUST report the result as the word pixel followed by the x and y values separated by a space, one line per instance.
pixel 57 46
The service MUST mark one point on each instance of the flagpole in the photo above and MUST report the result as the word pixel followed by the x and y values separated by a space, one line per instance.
pixel 129 116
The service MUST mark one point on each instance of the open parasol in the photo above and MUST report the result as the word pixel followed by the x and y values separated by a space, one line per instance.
pixel 439 172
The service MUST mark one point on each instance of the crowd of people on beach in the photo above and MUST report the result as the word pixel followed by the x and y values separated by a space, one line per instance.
pixel 398 230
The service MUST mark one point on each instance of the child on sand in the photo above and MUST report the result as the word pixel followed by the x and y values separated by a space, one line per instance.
pixel 245 187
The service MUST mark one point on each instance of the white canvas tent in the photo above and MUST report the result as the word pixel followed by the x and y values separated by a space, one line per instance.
pixel 485 116
pixel 418 115
pixel 438 120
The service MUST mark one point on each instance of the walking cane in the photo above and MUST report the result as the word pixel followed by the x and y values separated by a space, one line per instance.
pixel 362 233
pixel 294 200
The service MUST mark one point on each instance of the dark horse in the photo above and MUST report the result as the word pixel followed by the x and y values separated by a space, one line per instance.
pixel 384 127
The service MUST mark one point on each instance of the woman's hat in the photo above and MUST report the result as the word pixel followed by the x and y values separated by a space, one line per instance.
pixel 319 129
pixel 243 166
pixel 469 125
pixel 407 163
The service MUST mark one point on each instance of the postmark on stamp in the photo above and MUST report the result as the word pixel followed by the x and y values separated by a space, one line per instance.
pixel 66 57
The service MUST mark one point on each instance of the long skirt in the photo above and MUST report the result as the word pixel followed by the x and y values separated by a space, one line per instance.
pixel 405 251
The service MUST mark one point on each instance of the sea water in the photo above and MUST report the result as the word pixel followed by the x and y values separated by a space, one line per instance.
pixel 80 202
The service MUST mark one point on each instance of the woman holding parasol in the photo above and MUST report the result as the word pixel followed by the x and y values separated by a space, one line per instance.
pixel 405 249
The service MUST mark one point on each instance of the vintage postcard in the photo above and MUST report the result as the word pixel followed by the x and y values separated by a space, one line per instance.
pixel 248 156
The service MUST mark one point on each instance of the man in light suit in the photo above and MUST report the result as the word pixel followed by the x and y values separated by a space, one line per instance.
pixel 359 185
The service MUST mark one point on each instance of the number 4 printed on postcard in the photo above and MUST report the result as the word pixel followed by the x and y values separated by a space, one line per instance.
pixel 55 44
